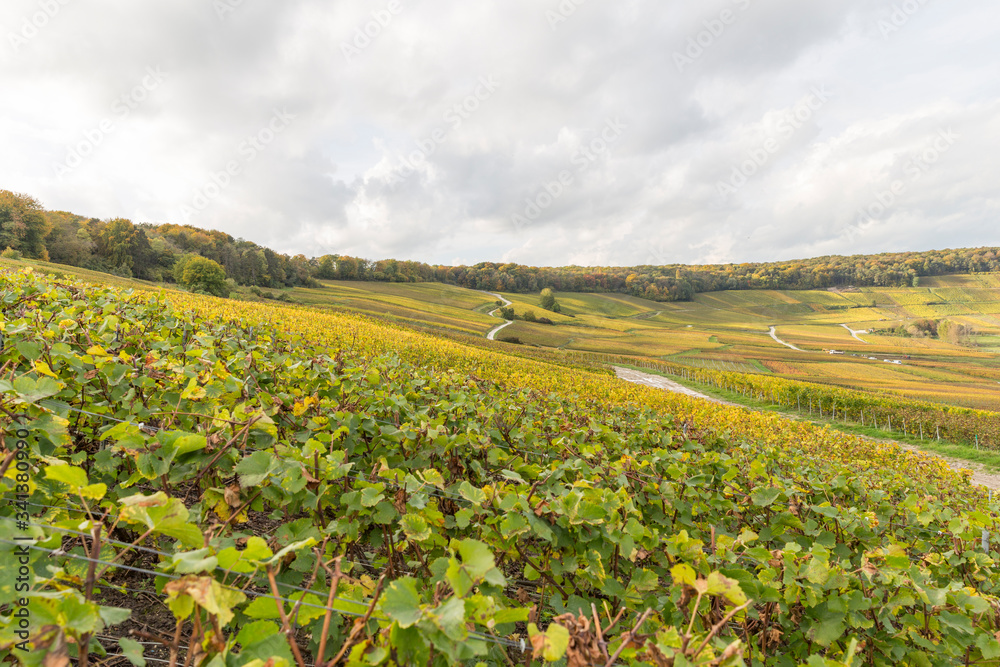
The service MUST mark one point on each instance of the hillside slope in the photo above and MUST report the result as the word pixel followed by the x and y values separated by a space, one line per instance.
pixel 274 474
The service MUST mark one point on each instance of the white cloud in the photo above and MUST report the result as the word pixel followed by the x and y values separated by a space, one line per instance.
pixel 326 182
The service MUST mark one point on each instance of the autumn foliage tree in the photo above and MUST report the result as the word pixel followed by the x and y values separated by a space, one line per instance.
pixel 200 274
pixel 149 251
pixel 549 301
pixel 22 224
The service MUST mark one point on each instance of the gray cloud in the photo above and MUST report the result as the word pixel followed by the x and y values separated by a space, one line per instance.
pixel 398 149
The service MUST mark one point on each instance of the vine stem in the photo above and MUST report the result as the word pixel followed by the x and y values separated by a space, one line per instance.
pixel 331 598
pixel 600 635
pixel 289 634
pixel 629 636
pixel 694 615
pixel 360 624
pixel 236 513
pixel 175 645
pixel 542 572
pixel 718 626
pixel 95 553
pixel 243 432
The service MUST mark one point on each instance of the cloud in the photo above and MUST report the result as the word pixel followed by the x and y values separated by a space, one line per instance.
pixel 398 148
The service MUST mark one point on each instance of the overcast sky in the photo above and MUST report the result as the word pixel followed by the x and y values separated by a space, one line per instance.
pixel 591 132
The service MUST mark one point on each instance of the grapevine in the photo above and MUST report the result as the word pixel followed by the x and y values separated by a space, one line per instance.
pixel 294 488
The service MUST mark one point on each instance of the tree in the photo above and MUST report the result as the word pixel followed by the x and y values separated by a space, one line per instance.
pixel 22 224
pixel 274 267
pixel 253 266
pixel 68 241
pixel 200 274
pixel 549 301
pixel 142 253
pixel 347 268
pixel 118 242
pixel 954 332
pixel 125 248
pixel 326 270
pixel 300 271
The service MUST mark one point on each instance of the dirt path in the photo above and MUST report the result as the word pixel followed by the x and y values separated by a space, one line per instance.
pixel 774 335
pixel 855 333
pixel 660 382
pixel 980 475
pixel 491 335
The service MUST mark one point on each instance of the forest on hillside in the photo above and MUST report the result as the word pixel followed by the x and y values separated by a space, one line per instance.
pixel 155 251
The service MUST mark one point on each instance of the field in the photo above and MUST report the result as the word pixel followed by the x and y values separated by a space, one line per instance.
pixel 201 481
pixel 723 330
pixel 729 331
pixel 429 305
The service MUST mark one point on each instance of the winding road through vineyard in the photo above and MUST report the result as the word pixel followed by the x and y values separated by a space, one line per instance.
pixel 660 382
pixel 774 335
pixel 493 332
pixel 980 475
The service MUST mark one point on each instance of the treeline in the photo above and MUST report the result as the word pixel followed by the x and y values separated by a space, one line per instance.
pixel 150 252
pixel 145 251
pixel 677 282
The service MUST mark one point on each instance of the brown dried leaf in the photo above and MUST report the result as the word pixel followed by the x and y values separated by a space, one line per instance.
pixel 733 650
pixel 57 654
pixel 213 441
pixel 584 649
pixel 400 502
pixel 538 644
pixel 232 495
